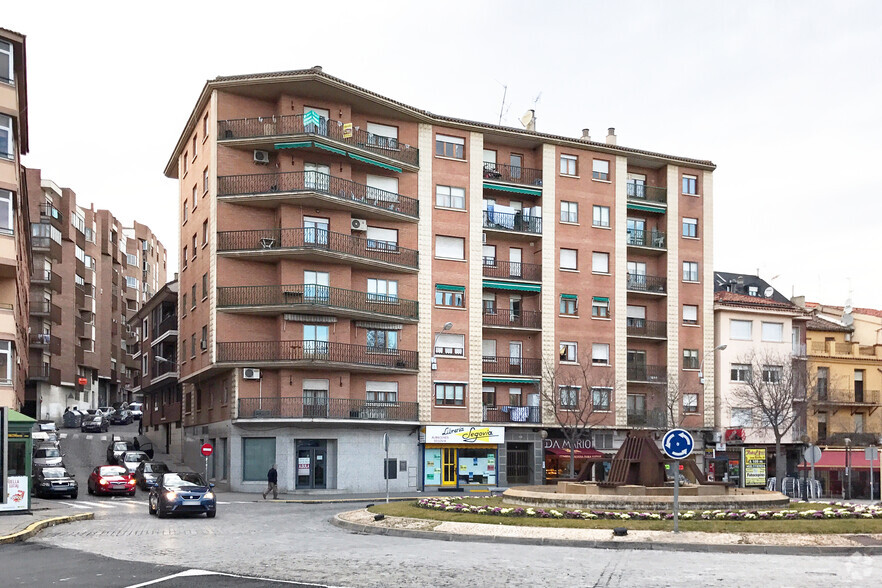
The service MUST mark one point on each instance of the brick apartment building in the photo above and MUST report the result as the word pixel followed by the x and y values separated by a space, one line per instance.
pixel 14 231
pixel 90 274
pixel 353 266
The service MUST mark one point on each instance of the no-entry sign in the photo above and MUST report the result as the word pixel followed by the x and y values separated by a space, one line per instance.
pixel 207 449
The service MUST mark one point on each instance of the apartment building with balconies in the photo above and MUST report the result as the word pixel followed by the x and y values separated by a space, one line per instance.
pixel 353 267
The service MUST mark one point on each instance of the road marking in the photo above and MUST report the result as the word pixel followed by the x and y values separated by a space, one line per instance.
pixel 89 437
pixel 73 504
pixel 98 504
pixel 196 573
pixel 104 437
pixel 63 436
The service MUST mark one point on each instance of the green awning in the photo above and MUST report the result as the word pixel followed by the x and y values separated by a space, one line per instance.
pixel 512 286
pixel 645 208
pixel 449 288
pixel 512 380
pixel 515 189
pixel 299 145
pixel 376 163
pixel 569 296
pixel 601 299
pixel 329 148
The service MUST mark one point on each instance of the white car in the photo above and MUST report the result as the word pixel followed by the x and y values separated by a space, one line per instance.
pixel 137 409
pixel 132 459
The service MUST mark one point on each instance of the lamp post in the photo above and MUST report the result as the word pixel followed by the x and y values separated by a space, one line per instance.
pixel 701 365
pixel 447 326
pixel 847 490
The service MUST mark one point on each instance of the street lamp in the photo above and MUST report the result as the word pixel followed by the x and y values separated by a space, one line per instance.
pixel 847 493
pixel 701 365
pixel 447 326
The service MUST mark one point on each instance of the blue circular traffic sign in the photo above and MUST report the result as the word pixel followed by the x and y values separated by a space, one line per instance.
pixel 678 443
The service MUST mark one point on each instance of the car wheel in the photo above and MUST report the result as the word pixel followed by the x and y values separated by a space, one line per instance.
pixel 89 489
pixel 211 514
pixel 150 508
pixel 161 513
pixel 132 493
pixel 73 495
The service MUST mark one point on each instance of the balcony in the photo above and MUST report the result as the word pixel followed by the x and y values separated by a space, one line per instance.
pixel 530 320
pixel 51 343
pixel 643 193
pixel 839 349
pixel 848 399
pixel 319 245
pixel 45 308
pixel 312 298
pixel 44 373
pixel 507 270
pixel 298 407
pixel 649 285
pixel 512 414
pixel 288 132
pixel 52 215
pixel 653 241
pixel 512 223
pixel 167 369
pixel 316 354
pixel 46 278
pixel 652 374
pixel 644 329
pixel 167 327
pixel 512 366
pixel 80 328
pixel 512 174
pixel 46 245
pixel 312 188
pixel 654 419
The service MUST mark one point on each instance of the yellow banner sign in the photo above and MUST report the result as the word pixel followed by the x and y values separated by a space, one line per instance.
pixel 755 467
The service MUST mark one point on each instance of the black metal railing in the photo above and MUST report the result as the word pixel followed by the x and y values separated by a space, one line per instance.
pixel 647 373
pixel 317 240
pixel 506 317
pixel 638 327
pixel 512 366
pixel 517 222
pixel 315 295
pixel 512 270
pixel 656 419
pixel 846 397
pixel 512 414
pixel 649 193
pixel 162 368
pixel 309 407
pixel 514 174
pixel 277 126
pixel 169 323
pixel 313 181
pixel 49 211
pixel 653 239
pixel 644 283
pixel 316 351
pixel 44 372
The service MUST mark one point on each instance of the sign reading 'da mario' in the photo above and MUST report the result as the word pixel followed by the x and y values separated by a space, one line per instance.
pixel 564 444
pixel 477 435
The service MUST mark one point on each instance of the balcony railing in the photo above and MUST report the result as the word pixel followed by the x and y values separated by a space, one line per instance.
pixel 509 270
pixel 298 407
pixel 512 366
pixel 657 374
pixel 656 419
pixel 277 126
pixel 80 327
pixel 169 323
pixel 312 181
pixel 514 174
pixel 648 329
pixel 651 239
pixel 516 319
pixel 164 368
pixel 648 193
pixel 50 212
pixel 847 397
pixel 516 222
pixel 310 239
pixel 845 349
pixel 46 341
pixel 295 295
pixel 321 352
pixel 44 373
pixel 48 278
pixel 512 414
pixel 644 283
pixel 47 309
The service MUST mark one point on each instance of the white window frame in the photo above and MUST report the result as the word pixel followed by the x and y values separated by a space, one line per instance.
pixel 569 352
pixel 7 54
pixel 132 282
pixel 569 212
pixel 741 323
pixel 449 345
pixel 767 335
pixel 447 247
pixel 450 197
pixel 741 417
pixel 692 224
pixel 599 262
pixel 569 396
pixel 382 290
pixel 600 170
pixel 6 125
pixel 600 353
pixel 381 392
pixel 772 374
pixel 458 146
pixel 689 311
pixel 488 349
pixel 741 371
pixel 687 182
pixel 690 271
pixel 6 351
pixel 600 216
pixel 569 165
pixel 597 306
pixel 6 205
pixel 382 239
pixel 569 259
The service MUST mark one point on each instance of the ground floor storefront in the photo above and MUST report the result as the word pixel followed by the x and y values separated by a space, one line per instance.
pixel 845 474
pixel 748 465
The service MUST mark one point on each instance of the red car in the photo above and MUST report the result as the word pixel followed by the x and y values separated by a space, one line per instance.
pixel 111 479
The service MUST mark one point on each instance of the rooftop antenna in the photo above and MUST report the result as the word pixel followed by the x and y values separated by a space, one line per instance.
pixel 502 106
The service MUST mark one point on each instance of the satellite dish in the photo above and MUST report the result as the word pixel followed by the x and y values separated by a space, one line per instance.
pixel 527 118
pixel 768 292
pixel 848 309
pixel 847 320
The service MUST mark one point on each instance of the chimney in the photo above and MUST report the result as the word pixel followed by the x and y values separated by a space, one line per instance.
pixel 317 68
pixel 611 136
pixel 585 135
pixel 176 277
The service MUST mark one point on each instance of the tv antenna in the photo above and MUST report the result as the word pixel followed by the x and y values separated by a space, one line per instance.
pixel 502 108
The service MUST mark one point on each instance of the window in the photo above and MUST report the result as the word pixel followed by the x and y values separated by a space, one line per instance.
pixel 690 402
pixel 569 304
pixel 600 262
pixel 193 295
pixel 449 295
pixel 449 394
pixel 690 314
pixel 772 373
pixel 773 332
pixel 382 135
pixel 742 417
pixel 690 227
pixel 186 211
pixel 7 216
pixel 80 254
pixel 569 351
pixel 132 282
pixel 690 359
pixel 690 271
pixel 194 146
pixel 449 247
pixel 568 165
pixel 569 212
pixel 205 127
pixel 569 259
pixel 193 353
pixel 205 232
pixel 822 382
pixel 6 146
pixel 205 181
pixel 6 362
pixel 203 343
pixel 740 372
pixel 131 259
pixel 382 340
pixel 690 185
pixel 446 146
pixel 600 398
pixel 450 197
pixel 450 345
pixel 488 302
pixel 184 303
pixel 381 392
pixel 740 330
pixel 488 396
pixel 569 397
pixel 382 290
pixel 488 349
pixel 601 216
pixel 184 258
pixel 195 196
pixel 195 248
pixel 258 455
pixel 205 285
pixel 600 307
pixel 600 169
pixel 382 239
pixel 600 353
pixel 6 64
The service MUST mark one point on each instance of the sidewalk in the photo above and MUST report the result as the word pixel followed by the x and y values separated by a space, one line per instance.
pixel 19 527
pixel 313 497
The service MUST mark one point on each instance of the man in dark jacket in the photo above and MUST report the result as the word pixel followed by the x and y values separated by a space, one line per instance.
pixel 272 479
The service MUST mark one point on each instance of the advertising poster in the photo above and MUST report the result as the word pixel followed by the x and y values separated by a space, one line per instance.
pixel 754 467
pixel 17 492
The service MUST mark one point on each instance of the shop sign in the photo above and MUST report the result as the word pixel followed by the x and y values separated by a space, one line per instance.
pixel 16 494
pixel 564 444
pixel 476 435
pixel 734 436
pixel 755 467
pixel 303 466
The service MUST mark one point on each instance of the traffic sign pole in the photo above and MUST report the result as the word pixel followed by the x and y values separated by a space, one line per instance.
pixel 676 496
pixel 207 449
pixel 677 444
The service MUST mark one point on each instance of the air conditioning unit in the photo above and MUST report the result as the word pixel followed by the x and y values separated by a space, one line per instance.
pixel 250 374
pixel 359 224
pixel 717 436
pixel 261 157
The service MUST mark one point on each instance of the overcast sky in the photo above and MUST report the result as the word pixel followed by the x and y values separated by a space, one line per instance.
pixel 784 97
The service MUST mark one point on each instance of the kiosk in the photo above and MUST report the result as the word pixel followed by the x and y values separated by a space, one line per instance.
pixel 19 448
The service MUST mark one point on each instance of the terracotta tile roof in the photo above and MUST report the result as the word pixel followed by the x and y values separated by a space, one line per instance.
pixel 744 300
pixel 817 323
pixel 10 31
pixel 857 310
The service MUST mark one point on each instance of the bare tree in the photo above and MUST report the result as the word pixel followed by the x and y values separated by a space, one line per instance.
pixel 776 387
pixel 675 390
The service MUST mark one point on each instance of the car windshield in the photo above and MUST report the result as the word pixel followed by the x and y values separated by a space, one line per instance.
pixel 135 456
pixel 112 471
pixel 51 452
pixel 183 480
pixel 54 473
pixel 135 406
pixel 120 446
pixel 156 468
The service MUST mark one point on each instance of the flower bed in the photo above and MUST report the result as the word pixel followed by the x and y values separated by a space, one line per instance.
pixel 833 510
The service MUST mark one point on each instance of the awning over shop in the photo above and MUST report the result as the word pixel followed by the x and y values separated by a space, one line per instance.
pixel 319 145
pixel 514 189
pixel 834 459
pixel 581 452
pixel 512 286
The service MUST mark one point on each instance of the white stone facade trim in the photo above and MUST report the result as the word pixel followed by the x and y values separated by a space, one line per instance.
pixel 549 275
pixel 424 279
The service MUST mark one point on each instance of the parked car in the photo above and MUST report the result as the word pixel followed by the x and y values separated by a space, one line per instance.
pixel 111 479
pixel 106 410
pixel 116 449
pixel 147 473
pixel 96 423
pixel 121 417
pixel 47 456
pixel 137 409
pixel 182 492
pixel 131 459
pixel 54 481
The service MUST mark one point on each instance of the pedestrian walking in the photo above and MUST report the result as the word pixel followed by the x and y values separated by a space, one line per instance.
pixel 272 481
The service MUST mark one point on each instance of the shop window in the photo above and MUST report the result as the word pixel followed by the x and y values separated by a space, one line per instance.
pixel 258 455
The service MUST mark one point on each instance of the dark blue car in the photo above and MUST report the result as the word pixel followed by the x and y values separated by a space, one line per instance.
pixel 182 493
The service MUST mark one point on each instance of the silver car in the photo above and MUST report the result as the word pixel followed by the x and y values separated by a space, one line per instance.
pixel 47 456
pixel 132 459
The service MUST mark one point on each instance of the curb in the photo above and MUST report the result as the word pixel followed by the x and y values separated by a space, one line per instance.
pixel 341 500
pixel 38 526
pixel 593 544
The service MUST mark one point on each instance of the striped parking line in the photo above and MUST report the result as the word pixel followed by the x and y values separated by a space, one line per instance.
pixel 89 437
pixel 73 504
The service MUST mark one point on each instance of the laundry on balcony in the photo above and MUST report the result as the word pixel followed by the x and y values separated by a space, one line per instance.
pixel 518 414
